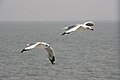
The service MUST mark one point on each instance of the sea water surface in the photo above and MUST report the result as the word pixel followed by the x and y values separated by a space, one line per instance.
pixel 87 55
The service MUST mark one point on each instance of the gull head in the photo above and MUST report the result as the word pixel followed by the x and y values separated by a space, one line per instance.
pixel 44 45
pixel 89 23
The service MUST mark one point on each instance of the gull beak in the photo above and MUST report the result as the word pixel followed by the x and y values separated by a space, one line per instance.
pixel 92 29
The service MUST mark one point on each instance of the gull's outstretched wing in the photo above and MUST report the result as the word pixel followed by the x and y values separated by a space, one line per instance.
pixel 51 54
pixel 71 29
pixel 30 46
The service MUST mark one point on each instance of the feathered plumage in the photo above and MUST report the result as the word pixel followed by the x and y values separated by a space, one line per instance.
pixel 42 45
pixel 77 27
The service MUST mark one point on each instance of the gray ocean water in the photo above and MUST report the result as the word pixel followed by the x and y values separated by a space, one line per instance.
pixel 87 55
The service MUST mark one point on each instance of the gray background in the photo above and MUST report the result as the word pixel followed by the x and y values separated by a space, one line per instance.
pixel 58 10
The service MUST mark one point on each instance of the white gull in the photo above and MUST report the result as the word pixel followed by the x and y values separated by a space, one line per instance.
pixel 78 27
pixel 42 45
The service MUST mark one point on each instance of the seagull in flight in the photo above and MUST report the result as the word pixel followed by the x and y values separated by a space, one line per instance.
pixel 78 27
pixel 42 45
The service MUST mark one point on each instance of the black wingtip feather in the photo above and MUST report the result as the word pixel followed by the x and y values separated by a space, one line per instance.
pixel 23 50
pixel 52 60
pixel 65 33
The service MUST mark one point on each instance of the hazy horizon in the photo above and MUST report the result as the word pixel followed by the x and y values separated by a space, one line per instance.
pixel 64 10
